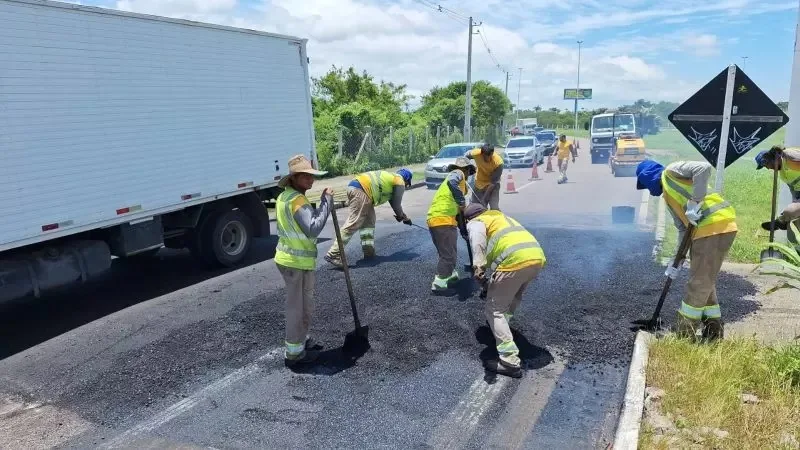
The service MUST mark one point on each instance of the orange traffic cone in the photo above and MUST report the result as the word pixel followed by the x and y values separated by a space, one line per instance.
pixel 510 189
pixel 549 163
pixel 534 171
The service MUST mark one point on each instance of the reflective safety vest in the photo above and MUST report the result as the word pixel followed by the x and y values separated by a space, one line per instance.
pixel 295 249
pixel 444 209
pixel 717 215
pixel 483 174
pixel 790 173
pixel 378 185
pixel 510 246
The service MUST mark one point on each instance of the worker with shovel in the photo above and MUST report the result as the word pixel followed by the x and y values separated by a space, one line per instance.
pixel 299 224
pixel 514 258
pixel 488 176
pixel 712 220
pixel 364 193
pixel 565 149
pixel 443 222
pixel 786 161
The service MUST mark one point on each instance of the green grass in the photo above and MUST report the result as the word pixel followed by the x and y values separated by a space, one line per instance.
pixel 703 385
pixel 749 191
pixel 571 132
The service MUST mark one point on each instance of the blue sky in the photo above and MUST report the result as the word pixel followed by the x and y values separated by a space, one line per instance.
pixel 658 50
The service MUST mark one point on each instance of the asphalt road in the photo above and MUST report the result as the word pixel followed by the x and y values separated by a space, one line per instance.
pixel 164 355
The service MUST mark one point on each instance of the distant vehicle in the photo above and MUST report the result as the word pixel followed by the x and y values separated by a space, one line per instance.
pixel 521 123
pixel 436 170
pixel 126 133
pixel 516 131
pixel 602 133
pixel 547 139
pixel 627 152
pixel 522 151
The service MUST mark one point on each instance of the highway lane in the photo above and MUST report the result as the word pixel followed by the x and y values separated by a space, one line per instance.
pixel 168 356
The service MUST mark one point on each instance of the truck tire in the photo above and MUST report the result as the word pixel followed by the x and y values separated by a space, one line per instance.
pixel 223 239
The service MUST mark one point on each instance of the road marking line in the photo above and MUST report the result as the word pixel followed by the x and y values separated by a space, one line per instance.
pixel 460 424
pixel 660 226
pixel 643 207
pixel 191 401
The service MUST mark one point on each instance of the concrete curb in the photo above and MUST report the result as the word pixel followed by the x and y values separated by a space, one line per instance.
pixel 630 419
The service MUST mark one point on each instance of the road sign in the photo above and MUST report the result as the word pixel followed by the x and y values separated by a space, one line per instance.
pixel 580 94
pixel 727 117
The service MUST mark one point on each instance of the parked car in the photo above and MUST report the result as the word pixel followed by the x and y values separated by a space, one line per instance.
pixel 523 151
pixel 436 170
pixel 547 139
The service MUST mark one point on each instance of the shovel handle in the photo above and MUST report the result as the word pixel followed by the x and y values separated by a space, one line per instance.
pixel 774 204
pixel 679 256
pixel 346 269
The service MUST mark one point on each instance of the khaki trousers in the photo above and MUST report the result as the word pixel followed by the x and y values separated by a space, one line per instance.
pixel 299 307
pixel 502 299
pixel 707 256
pixel 361 217
pixel 445 239
pixel 493 202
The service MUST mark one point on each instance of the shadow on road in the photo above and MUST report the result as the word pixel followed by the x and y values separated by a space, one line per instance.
pixel 399 256
pixel 533 357
pixel 28 322
pixel 335 360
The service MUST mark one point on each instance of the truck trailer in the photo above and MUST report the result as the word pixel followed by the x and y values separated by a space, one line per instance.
pixel 123 133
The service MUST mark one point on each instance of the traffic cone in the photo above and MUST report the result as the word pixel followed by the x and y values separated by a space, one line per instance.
pixel 534 172
pixel 510 189
pixel 549 163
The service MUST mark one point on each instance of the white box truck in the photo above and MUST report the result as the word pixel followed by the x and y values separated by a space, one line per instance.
pixel 122 133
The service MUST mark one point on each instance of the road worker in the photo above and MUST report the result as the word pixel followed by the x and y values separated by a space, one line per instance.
pixel 565 149
pixel 444 219
pixel 685 188
pixel 514 258
pixel 787 162
pixel 299 224
pixel 489 173
pixel 364 193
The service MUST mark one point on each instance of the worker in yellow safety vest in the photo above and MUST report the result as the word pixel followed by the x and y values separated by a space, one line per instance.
pixel 564 150
pixel 787 162
pixel 444 218
pixel 514 258
pixel 488 176
pixel 684 185
pixel 364 193
pixel 299 224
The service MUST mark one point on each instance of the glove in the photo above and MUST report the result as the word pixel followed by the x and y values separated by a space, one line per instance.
pixel 693 212
pixel 407 221
pixel 479 274
pixel 403 219
pixel 672 272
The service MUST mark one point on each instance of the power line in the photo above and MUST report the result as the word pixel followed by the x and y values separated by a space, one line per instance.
pixel 445 11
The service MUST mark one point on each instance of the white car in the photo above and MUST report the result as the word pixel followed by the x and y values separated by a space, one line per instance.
pixel 523 151
pixel 436 170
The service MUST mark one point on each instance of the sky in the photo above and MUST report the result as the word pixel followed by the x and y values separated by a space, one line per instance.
pixel 656 50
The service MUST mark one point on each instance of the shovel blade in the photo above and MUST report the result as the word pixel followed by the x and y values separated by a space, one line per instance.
pixel 357 341
pixel 645 325
pixel 770 253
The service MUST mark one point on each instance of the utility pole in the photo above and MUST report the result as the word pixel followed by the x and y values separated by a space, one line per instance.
pixel 468 102
pixel 578 87
pixel 744 62
pixel 519 89
pixel 503 122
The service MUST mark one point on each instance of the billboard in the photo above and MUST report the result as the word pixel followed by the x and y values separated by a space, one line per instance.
pixel 580 94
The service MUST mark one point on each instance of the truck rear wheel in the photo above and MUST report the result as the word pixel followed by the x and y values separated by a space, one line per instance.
pixel 223 239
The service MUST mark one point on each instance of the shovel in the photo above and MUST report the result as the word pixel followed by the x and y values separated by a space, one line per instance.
pixel 358 339
pixel 654 323
pixel 770 252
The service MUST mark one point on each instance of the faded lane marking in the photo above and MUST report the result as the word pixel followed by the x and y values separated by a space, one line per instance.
pixel 167 415
pixel 643 207
pixel 460 424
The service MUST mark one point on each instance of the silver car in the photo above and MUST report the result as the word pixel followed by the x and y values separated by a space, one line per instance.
pixel 436 170
pixel 523 151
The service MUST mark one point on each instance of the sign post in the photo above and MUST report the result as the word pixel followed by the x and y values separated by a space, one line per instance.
pixel 748 118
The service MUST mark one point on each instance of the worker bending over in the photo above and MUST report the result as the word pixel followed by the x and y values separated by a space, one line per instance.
pixel 564 151
pixel 299 224
pixel 487 179
pixel 685 188
pixel 514 258
pixel 444 217
pixel 364 193
pixel 787 162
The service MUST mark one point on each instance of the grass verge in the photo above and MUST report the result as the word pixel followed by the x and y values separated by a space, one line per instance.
pixel 703 387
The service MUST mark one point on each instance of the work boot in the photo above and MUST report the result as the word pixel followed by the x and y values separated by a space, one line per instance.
pixel 440 287
pixel 687 328
pixel 305 358
pixel 453 278
pixel 369 251
pixel 335 260
pixel 779 225
pixel 503 368
pixel 311 344
pixel 713 331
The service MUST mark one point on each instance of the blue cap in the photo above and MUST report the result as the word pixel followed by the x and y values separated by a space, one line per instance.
pixel 760 159
pixel 406 175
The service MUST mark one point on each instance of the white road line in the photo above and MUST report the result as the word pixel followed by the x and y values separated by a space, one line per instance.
pixel 643 207
pixel 190 402
pixel 455 431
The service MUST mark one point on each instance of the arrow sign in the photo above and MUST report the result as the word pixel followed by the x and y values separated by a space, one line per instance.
pixel 727 117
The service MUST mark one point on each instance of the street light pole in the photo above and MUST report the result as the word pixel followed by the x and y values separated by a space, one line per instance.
pixel 468 102
pixel 519 89
pixel 744 62
pixel 578 87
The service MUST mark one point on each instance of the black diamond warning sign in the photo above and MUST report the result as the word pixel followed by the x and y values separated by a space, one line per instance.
pixel 754 117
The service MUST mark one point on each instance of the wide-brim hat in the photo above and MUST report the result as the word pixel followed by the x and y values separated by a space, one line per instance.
pixel 300 164
pixel 461 163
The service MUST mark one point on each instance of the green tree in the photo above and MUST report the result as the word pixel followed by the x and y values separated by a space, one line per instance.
pixel 444 106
